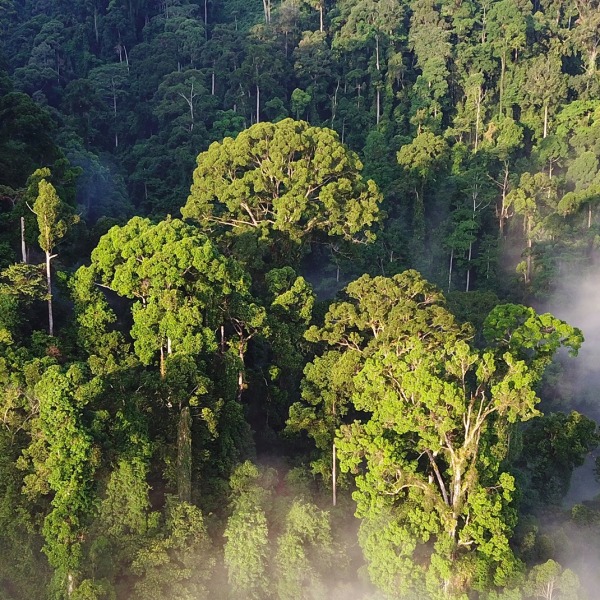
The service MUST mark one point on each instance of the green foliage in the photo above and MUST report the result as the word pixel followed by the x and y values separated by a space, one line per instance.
pixel 431 426
pixel 178 279
pixel 378 312
pixel 478 120
pixel 24 281
pixel 304 553
pixel 51 220
pixel 175 562
pixel 553 447
pixel 247 547
pixel 281 185
pixel 23 567
pixel 550 580
pixel 528 335
pixel 26 138
pixel 94 318
pixel 69 467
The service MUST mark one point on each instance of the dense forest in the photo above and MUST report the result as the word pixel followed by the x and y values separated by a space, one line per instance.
pixel 273 292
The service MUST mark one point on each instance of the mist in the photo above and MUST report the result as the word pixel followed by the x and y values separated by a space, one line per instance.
pixel 576 300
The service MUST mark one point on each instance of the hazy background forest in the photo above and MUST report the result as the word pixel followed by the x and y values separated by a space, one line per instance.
pixel 290 295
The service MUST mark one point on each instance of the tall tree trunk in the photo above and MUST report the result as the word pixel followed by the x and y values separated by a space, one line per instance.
pixel 478 116
pixel 70 584
pixel 267 10
pixel 334 461
pixel 163 368
pixel 334 476
pixel 469 266
pixel 96 24
pixel 377 91
pixel 529 261
pixel 450 269
pixel 334 102
pixel 114 91
pixel 241 382
pixel 23 244
pixel 502 210
pixel 49 284
pixel 592 57
pixel 184 455
pixel 257 103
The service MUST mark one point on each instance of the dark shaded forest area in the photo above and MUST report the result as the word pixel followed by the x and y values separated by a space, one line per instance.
pixel 273 292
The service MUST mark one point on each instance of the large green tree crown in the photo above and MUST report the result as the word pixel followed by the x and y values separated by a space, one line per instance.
pixel 386 312
pixel 421 418
pixel 142 259
pixel 182 284
pixel 287 177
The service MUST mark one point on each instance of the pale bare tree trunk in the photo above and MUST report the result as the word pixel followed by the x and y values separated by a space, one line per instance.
pixel 334 462
pixel 49 257
pixel 96 24
pixel 478 116
pixel 469 266
pixel 592 57
pixel 240 372
pixel 23 244
pixel 334 102
pixel 267 10
pixel 70 584
pixel 377 66
pixel 257 103
pixel 502 211
pixel 190 103
pixel 114 91
pixel 334 475
pixel 483 25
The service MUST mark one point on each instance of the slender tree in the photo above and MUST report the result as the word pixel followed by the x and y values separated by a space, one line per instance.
pixel 53 224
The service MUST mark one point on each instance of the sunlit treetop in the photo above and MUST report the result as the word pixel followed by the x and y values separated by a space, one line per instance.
pixel 285 182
